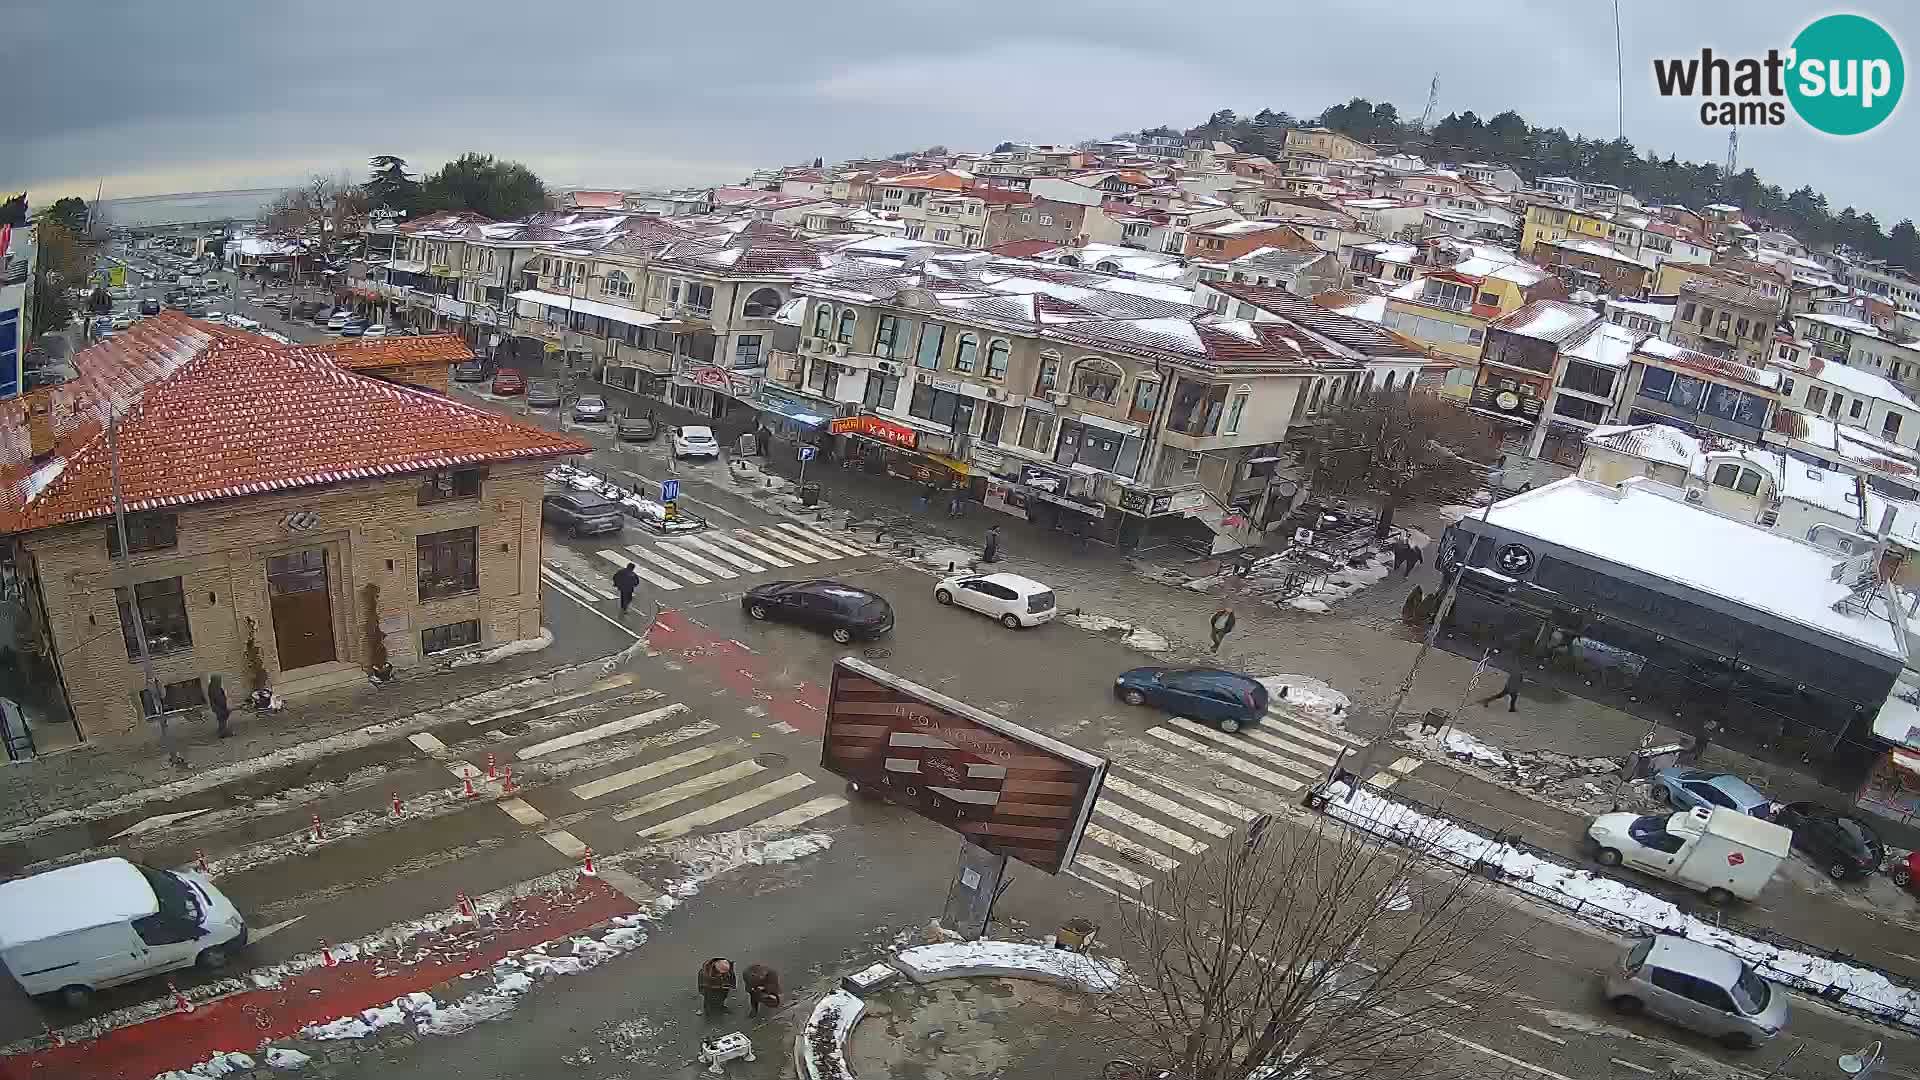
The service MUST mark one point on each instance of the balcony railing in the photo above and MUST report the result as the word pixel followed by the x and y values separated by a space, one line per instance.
pixel 1506 403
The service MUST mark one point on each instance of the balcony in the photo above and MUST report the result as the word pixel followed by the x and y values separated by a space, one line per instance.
pixel 1508 405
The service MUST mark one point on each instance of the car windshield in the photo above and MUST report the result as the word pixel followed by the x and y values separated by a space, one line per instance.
pixel 1648 827
pixel 177 900
pixel 1857 835
pixel 1751 992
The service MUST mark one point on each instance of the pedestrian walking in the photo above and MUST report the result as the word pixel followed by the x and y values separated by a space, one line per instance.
pixel 1221 625
pixel 1511 691
pixel 764 439
pixel 217 701
pixel 626 581
pixel 956 505
pixel 763 988
pixel 991 553
pixel 716 982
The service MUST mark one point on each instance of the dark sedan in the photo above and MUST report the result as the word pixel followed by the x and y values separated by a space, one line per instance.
pixel 582 513
pixel 636 428
pixel 1225 699
pixel 1840 844
pixel 470 371
pixel 843 611
pixel 543 394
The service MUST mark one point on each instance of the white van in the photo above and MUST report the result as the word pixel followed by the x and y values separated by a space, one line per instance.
pixel 81 928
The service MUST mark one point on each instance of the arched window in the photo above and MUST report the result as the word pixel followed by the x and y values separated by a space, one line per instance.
pixel 1367 388
pixel 1069 260
pixel 1097 379
pixel 1388 387
pixel 616 283
pixel 1108 266
pixel 823 320
pixel 762 304
pixel 965 352
pixel 848 317
pixel 997 359
pixel 1313 401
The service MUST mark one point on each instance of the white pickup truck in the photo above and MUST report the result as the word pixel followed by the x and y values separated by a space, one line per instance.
pixel 1722 853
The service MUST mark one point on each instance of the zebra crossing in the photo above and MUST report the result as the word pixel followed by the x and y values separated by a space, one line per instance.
pixel 1147 823
pixel 672 563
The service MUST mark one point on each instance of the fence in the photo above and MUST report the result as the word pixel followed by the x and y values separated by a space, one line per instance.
pixel 1486 864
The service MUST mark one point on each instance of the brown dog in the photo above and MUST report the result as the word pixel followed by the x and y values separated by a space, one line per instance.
pixel 763 988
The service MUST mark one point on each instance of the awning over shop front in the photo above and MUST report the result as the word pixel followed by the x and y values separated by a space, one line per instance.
pixel 1115 426
pixel 584 306
pixel 792 410
pixel 404 267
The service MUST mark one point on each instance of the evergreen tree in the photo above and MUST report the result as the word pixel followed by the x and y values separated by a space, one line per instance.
pixel 390 186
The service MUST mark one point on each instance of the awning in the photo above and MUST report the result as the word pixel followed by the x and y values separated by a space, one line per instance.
pixel 404 267
pixel 792 313
pixel 792 410
pixel 1115 426
pixel 584 306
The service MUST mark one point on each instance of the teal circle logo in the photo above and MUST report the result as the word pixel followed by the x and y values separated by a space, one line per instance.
pixel 1847 74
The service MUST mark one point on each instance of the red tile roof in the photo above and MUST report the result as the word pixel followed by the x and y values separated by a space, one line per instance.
pixel 206 417
pixel 1020 249
pixel 365 353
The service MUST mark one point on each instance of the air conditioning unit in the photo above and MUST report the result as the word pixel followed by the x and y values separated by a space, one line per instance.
pixel 839 348
pixel 1695 495
pixel 1057 397
pixel 890 367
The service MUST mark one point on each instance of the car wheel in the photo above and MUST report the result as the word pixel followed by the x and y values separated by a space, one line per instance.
pixel 943 596
pixel 842 635
pixel 214 959
pixel 1901 875
pixel 758 611
pixel 1626 1003
pixel 1229 725
pixel 1719 897
pixel 75 996
pixel 1133 697
pixel 1660 795
pixel 1010 621
pixel 1839 871
pixel 1737 1040
pixel 1609 857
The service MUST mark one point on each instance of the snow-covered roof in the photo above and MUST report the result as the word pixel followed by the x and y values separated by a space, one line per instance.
pixel 1662 313
pixel 1859 381
pixel 1547 320
pixel 1662 444
pixel 1681 356
pixel 1607 345
pixel 1640 529
pixel 1594 247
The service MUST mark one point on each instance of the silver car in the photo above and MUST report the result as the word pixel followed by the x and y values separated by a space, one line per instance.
pixel 1698 987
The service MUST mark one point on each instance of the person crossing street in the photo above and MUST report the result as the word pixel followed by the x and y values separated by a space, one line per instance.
pixel 625 580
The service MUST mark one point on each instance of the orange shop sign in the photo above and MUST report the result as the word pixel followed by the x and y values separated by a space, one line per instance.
pixel 873 427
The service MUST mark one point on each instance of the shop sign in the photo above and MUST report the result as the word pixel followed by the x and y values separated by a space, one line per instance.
pixel 1135 501
pixel 948 384
pixel 873 427
pixel 1182 501
pixel 743 386
pixel 988 459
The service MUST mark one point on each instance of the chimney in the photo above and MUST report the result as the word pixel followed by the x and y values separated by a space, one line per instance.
pixel 39 426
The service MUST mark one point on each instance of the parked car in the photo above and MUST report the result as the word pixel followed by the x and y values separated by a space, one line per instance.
pixel 377 330
pixel 123 321
pixel 1697 987
pixel 150 306
pixel 338 321
pixel 590 409
pixel 215 316
pixel 582 513
pixel 507 382
pixel 1906 872
pixel 843 611
pixel 695 440
pixel 470 371
pixel 636 428
pixel 1684 789
pixel 1228 700
pixel 1843 846
pixel 543 394
pixel 1014 601
pixel 353 329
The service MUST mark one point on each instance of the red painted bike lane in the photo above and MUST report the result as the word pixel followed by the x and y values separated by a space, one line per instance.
pixel 741 670
pixel 244 1021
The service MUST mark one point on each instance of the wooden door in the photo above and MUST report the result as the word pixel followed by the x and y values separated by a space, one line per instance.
pixel 302 608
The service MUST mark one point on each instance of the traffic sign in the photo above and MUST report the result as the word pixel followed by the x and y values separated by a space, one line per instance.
pixel 669 490
pixel 806 453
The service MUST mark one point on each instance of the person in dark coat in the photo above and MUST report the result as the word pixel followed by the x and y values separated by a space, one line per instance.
pixel 1511 691
pixel 991 552
pixel 217 701
pixel 716 981
pixel 626 581
pixel 763 988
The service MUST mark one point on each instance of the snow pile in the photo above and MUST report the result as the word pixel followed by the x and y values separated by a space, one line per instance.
pixel 1604 900
pixel 368 1021
pixel 949 959
pixel 219 1064
pixel 635 504
pixel 831 1022
pixel 1309 605
pixel 1305 698
pixel 501 652
pixel 963 559
pixel 280 1057
pixel 1131 635
pixel 707 857
pixel 1457 743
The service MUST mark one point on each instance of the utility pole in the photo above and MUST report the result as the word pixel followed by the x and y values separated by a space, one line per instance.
pixel 150 693
pixel 1733 152
pixel 1433 102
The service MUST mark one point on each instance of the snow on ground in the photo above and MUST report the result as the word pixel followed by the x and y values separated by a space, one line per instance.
pixel 501 652
pixel 706 857
pixel 1131 635
pixel 1309 605
pixel 1562 780
pixel 220 1064
pixel 948 956
pixel 1603 899
pixel 962 559
pixel 1305 697
pixel 281 1057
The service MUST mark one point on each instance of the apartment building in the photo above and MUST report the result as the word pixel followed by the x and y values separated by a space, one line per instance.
pixel 1592 266
pixel 1672 384
pixel 17 256
pixel 1726 320
pixel 1326 143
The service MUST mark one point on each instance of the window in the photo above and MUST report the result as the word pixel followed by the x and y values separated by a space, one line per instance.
pixel 1726 476
pixel 1740 328
pixel 933 337
pixel 1026 216
pixel 1096 379
pixel 1587 379
pixel 1235 408
pixel 761 304
pixel 1036 432
pixel 882 390
pixel 823 321
pixel 1786 387
pixel 438 639
pixel 1589 412
pixel 943 235
pixel 1049 377
pixel 848 318
pixel 163 617
pixel 448 563
pixel 145 532
pixel 746 351
pixel 1816 398
pixel 1686 312
pixel 1244 311
pixel 997 359
pixel 965 352
pixel 616 283
pixel 1146 396
pixel 1488 299
pixel 1046 219
pixel 1853 410
pixel 174 696
pixel 884 333
pixel 447 486
pixel 654 282
pixel 1890 426
pixel 939 406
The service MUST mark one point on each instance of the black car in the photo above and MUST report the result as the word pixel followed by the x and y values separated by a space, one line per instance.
pixel 842 610
pixel 582 513
pixel 1842 846
pixel 470 371
pixel 150 306
pixel 639 428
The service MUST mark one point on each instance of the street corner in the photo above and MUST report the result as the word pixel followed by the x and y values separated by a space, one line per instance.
pixel 766 681
pixel 439 975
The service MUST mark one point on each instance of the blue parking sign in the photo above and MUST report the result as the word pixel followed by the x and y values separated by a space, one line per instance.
pixel 669 490
pixel 806 453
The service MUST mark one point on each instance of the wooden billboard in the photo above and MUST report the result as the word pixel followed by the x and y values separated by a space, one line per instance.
pixel 1008 789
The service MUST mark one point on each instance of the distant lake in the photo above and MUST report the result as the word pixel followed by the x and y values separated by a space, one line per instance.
pixel 189 206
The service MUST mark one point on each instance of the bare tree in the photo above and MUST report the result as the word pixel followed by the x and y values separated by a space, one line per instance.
pixel 1305 951
pixel 1397 447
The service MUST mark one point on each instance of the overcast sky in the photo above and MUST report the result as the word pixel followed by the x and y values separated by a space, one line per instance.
pixel 208 94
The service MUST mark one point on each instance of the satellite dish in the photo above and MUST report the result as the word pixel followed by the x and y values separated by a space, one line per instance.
pixel 1861 1060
